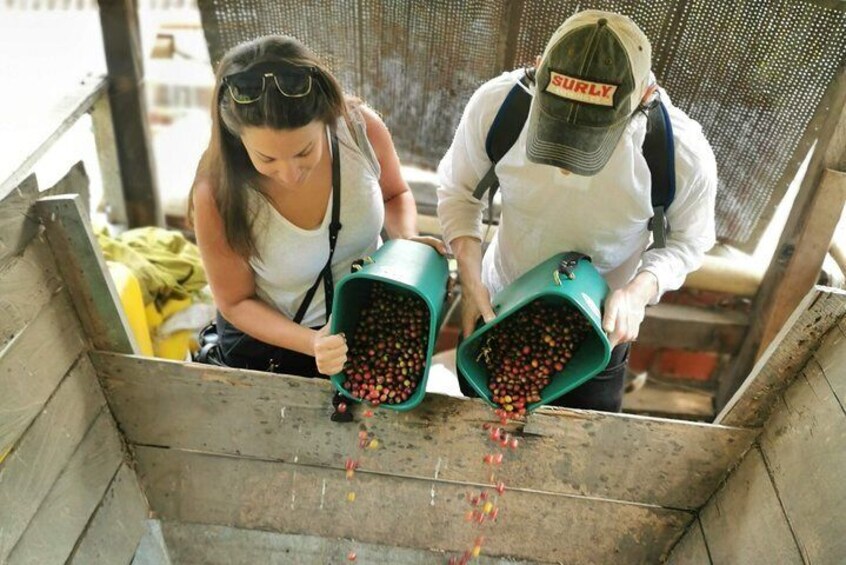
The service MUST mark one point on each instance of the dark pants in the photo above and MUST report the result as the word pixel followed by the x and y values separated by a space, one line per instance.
pixel 604 392
pixel 245 352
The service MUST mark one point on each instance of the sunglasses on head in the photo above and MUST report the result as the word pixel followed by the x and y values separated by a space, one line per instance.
pixel 246 87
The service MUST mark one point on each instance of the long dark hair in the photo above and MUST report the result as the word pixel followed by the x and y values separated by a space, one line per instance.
pixel 226 163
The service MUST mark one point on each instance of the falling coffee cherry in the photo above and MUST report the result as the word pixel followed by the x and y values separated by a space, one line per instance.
pixel 351 556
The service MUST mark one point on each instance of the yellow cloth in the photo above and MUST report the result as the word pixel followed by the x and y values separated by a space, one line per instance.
pixel 165 263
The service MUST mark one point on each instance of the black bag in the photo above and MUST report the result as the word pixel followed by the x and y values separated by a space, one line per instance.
pixel 210 351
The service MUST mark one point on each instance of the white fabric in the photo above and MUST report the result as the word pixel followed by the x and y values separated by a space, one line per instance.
pixel 292 257
pixel 545 212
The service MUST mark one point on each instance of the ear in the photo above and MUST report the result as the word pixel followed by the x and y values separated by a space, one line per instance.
pixel 537 61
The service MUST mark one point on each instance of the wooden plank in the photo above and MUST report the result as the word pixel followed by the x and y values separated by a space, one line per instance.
pixel 84 270
pixel 18 224
pixel 62 517
pixel 27 283
pixel 281 497
pixel 666 401
pixel 221 545
pixel 807 256
pixel 124 59
pixel 20 155
pixel 805 239
pixel 55 340
pixel 690 327
pixel 16 228
pixel 691 549
pixel 153 550
pixel 28 473
pixel 107 157
pixel 113 534
pixel 832 359
pixel 787 354
pixel 227 411
pixel 805 448
pixel 744 522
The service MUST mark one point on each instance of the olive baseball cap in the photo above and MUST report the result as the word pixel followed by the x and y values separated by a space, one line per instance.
pixel 591 79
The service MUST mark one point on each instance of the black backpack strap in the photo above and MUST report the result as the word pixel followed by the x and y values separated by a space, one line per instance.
pixel 334 227
pixel 505 129
pixel 659 152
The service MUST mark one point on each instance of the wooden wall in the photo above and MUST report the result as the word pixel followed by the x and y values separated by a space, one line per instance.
pixel 66 492
pixel 257 451
pixel 784 501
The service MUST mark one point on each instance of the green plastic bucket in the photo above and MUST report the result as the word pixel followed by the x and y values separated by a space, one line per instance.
pixel 584 290
pixel 408 267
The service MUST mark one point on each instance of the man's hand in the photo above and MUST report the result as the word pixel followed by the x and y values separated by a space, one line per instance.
pixel 625 308
pixel 330 351
pixel 475 302
pixel 433 242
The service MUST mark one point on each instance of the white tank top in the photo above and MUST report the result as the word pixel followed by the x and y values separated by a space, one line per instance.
pixel 292 257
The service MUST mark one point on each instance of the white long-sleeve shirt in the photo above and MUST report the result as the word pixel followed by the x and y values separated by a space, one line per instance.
pixel 605 216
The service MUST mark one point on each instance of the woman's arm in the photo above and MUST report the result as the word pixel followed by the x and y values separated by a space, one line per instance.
pixel 233 286
pixel 400 208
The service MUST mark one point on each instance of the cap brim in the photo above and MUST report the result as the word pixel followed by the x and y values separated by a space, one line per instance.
pixel 580 149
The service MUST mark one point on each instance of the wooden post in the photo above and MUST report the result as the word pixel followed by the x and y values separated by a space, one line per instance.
pixel 124 59
pixel 804 242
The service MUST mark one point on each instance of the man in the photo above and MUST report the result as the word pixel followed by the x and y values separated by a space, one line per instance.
pixel 576 180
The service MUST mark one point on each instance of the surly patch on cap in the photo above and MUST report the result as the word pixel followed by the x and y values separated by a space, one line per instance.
pixel 581 90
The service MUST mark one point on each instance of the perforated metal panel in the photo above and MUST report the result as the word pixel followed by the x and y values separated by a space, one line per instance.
pixel 752 72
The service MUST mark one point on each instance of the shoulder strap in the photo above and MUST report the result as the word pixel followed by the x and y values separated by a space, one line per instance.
pixel 659 152
pixel 505 129
pixel 334 227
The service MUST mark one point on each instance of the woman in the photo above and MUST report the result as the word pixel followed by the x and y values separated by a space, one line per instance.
pixel 296 184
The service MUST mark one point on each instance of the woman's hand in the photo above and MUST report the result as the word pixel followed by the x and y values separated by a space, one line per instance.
pixel 432 242
pixel 330 351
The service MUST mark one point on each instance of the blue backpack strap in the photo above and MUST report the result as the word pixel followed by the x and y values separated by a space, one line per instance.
pixel 659 152
pixel 505 129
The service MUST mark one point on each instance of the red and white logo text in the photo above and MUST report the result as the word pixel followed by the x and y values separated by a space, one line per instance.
pixel 581 90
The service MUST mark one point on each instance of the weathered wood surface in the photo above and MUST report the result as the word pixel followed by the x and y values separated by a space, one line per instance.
pixel 199 544
pixel 84 271
pixel 832 359
pixel 805 448
pixel 33 364
pixel 19 223
pixel 691 549
pixel 29 471
pixel 744 522
pixel 125 62
pixel 784 358
pixel 281 497
pixel 27 283
pixel 19 156
pixel 17 228
pixel 107 157
pixel 691 327
pixel 204 408
pixel 667 401
pixel 113 534
pixel 153 550
pixel 805 239
pixel 55 528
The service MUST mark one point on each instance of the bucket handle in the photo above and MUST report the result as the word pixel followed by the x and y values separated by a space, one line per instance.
pixel 568 265
pixel 359 263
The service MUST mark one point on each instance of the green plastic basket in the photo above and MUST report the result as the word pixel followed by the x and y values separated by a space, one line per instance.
pixel 585 290
pixel 407 267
